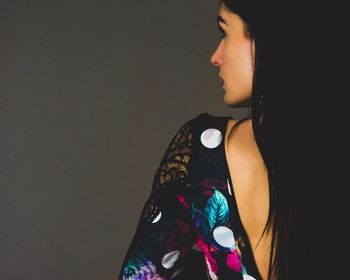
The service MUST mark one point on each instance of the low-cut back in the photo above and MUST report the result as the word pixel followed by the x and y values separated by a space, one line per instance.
pixel 190 227
pixel 262 253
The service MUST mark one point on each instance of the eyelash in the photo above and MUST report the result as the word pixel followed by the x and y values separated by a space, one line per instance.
pixel 223 33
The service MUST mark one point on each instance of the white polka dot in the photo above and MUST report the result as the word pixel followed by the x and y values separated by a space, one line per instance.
pixel 211 137
pixel 248 277
pixel 170 258
pixel 156 219
pixel 224 237
pixel 229 187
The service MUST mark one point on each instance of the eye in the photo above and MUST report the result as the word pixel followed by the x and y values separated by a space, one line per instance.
pixel 222 31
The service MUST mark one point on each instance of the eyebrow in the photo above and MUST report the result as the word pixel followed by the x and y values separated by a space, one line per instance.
pixel 220 19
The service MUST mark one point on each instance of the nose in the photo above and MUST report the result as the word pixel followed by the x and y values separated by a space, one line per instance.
pixel 216 58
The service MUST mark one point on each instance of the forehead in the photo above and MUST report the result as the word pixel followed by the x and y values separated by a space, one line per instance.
pixel 226 16
pixel 232 21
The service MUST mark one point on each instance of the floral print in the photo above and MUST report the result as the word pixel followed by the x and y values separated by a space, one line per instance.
pixel 188 228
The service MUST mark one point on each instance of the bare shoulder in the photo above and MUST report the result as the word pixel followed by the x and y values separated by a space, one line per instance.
pixel 241 139
pixel 230 123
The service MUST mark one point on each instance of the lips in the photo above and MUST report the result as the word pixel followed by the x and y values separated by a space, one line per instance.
pixel 223 82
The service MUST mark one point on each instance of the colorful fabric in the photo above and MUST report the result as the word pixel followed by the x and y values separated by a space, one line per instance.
pixel 189 227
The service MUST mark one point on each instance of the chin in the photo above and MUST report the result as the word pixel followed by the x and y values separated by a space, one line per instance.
pixel 237 103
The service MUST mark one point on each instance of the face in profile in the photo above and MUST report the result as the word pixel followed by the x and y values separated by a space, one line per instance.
pixel 235 58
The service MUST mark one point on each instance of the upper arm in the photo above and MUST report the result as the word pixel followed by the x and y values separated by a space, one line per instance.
pixel 176 163
pixel 165 232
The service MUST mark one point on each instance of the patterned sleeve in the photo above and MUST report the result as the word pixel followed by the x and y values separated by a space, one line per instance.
pixel 162 244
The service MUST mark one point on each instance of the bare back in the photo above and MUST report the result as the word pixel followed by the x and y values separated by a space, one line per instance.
pixel 250 184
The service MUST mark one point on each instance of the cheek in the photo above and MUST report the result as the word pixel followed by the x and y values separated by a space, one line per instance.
pixel 239 70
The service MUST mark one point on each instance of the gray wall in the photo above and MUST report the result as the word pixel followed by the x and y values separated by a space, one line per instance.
pixel 91 94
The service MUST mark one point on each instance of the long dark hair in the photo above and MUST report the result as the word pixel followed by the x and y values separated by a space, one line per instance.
pixel 258 29
pixel 300 57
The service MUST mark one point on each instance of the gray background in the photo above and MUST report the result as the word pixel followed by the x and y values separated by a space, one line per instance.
pixel 91 94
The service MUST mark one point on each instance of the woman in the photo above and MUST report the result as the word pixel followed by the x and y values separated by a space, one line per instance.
pixel 220 207
pixel 235 58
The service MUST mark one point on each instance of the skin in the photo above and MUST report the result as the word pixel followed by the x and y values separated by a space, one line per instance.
pixel 234 57
pixel 250 186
